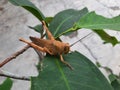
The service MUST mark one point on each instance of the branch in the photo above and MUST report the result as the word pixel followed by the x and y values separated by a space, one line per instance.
pixel 16 77
pixel 10 75
pixel 14 56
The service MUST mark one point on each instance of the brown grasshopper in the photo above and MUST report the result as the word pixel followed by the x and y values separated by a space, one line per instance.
pixel 51 46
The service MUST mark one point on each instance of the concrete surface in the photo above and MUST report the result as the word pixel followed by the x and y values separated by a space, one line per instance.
pixel 13 25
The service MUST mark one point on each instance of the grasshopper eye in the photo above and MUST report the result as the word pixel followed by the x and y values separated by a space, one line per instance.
pixel 66 49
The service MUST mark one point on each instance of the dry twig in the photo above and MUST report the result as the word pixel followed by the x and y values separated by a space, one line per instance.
pixel 14 56
pixel 11 75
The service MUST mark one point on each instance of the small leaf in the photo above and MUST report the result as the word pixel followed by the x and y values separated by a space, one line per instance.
pixel 115 81
pixel 98 22
pixel 48 19
pixel 106 37
pixel 26 4
pixel 65 20
pixel 115 85
pixel 98 64
pixel 112 77
pixel 57 76
pixel 6 85
pixel 38 28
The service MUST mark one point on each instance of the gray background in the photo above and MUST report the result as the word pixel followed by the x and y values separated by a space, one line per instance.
pixel 13 25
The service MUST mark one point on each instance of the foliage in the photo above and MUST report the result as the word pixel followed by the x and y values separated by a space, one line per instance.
pixel 115 81
pixel 106 37
pixel 6 85
pixel 56 76
pixel 65 20
pixel 93 21
pixel 85 76
pixel 26 4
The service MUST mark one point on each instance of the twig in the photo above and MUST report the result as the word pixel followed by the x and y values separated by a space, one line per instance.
pixel 11 75
pixel 14 56
pixel 16 77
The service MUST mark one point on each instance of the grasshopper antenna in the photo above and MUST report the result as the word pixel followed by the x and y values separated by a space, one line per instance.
pixel 80 39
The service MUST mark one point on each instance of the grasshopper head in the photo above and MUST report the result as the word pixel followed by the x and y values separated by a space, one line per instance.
pixel 66 48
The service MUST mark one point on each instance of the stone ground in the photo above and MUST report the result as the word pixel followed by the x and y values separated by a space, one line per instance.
pixel 13 25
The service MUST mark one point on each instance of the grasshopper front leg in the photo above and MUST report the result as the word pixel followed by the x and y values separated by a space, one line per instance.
pixel 66 63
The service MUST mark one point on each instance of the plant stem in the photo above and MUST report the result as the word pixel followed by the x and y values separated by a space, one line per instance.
pixel 16 77
pixel 13 56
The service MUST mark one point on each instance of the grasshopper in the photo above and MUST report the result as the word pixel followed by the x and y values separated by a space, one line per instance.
pixel 50 45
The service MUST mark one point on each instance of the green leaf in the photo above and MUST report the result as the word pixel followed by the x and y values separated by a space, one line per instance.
pixel 106 37
pixel 38 28
pixel 48 19
pixel 98 22
pixel 115 85
pixel 115 81
pixel 112 77
pixel 65 20
pixel 26 4
pixel 98 64
pixel 6 85
pixel 56 76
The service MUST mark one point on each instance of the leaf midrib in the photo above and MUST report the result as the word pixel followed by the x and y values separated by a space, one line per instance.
pixel 91 25
pixel 63 75
pixel 61 24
